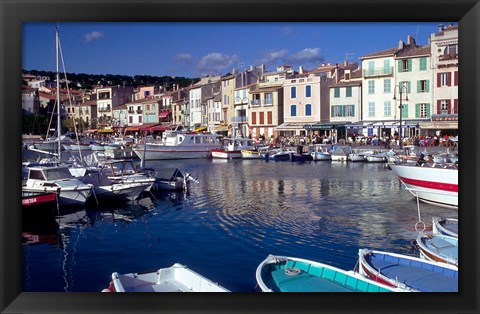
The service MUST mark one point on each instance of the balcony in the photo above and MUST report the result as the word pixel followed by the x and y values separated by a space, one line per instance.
pixel 239 119
pixel 261 102
pixel 139 110
pixel 104 109
pixel 131 111
pixel 378 72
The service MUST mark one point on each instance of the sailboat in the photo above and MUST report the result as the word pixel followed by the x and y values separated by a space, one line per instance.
pixel 56 178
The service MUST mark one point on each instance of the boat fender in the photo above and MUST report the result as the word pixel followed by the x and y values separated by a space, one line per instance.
pixel 292 271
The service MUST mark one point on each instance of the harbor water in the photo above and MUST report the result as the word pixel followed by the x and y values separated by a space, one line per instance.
pixel 225 225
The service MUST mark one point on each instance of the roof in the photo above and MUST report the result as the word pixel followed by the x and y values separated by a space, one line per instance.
pixel 386 52
pixel 412 52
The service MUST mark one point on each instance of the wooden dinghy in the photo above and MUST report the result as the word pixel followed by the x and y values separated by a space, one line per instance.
pixel 291 274
pixel 407 272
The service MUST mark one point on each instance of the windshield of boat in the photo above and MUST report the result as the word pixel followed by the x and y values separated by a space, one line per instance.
pixel 123 168
pixel 57 173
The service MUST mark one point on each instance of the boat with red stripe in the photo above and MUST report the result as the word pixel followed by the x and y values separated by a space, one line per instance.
pixel 435 183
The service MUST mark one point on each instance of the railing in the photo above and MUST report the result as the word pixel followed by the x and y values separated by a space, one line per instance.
pixel 139 111
pixel 104 109
pixel 448 57
pixel 262 102
pixel 239 119
pixel 378 72
pixel 131 111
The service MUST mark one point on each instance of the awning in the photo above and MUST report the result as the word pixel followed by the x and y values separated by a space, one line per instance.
pixel 439 125
pixel 91 131
pixel 132 129
pixel 290 126
pixel 319 126
pixel 162 128
pixel 221 128
pixel 165 113
pixel 105 131
pixel 147 127
pixel 200 129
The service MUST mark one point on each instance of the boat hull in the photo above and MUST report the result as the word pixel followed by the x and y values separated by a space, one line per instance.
pixel 177 278
pixel 407 272
pixel 164 152
pixel 290 274
pixel 251 154
pixel 445 226
pixel 434 185
pixel 226 154
pixel 438 248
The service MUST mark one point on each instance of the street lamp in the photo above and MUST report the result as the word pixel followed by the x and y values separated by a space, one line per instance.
pixel 401 88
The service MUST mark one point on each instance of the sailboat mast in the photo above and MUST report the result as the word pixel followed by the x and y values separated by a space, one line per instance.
pixel 59 125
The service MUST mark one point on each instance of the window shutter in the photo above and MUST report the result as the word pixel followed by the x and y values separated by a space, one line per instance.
pixel 417 110
pixel 399 65
pixel 427 86
pixel 439 78
pixel 410 62
pixel 405 110
pixel 455 78
pixel 439 106
pixel 455 106
pixel 418 87
pixel 449 105
pixel 409 90
pixel 449 79
pixel 428 110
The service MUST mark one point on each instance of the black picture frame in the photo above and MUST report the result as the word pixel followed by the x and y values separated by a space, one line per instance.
pixel 14 13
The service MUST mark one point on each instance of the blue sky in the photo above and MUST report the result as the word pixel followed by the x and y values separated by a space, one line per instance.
pixel 199 49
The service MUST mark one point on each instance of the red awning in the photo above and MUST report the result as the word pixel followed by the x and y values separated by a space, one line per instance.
pixel 163 127
pixel 163 114
pixel 91 131
pixel 132 128
pixel 146 127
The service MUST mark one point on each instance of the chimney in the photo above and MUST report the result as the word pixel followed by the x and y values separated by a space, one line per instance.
pixel 400 44
pixel 345 63
pixel 411 40
pixel 440 27
pixel 300 69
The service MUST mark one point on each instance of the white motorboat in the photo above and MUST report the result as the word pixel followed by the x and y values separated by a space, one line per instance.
pixel 177 278
pixel 179 145
pixel 432 183
pixel 123 171
pixel 57 179
pixel 233 148
pixel 380 157
pixel 340 152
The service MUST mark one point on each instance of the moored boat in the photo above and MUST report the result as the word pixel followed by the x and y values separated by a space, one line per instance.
pixel 321 152
pixel 445 226
pixel 36 199
pixel 291 274
pixel 251 154
pixel 59 180
pixel 233 148
pixel 340 152
pixel 177 278
pixel 407 272
pixel 439 248
pixel 179 145
pixel 433 183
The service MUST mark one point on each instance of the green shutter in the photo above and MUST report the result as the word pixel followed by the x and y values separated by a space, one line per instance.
pixel 405 111
pixel 418 87
pixel 417 110
pixel 399 65
pixel 428 110
pixel 423 63
pixel 408 87
pixel 427 86
pixel 409 61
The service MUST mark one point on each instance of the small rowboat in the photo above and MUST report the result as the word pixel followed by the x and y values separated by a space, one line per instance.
pixel 178 278
pixel 407 272
pixel 445 226
pixel 439 248
pixel 291 274
pixel 251 154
